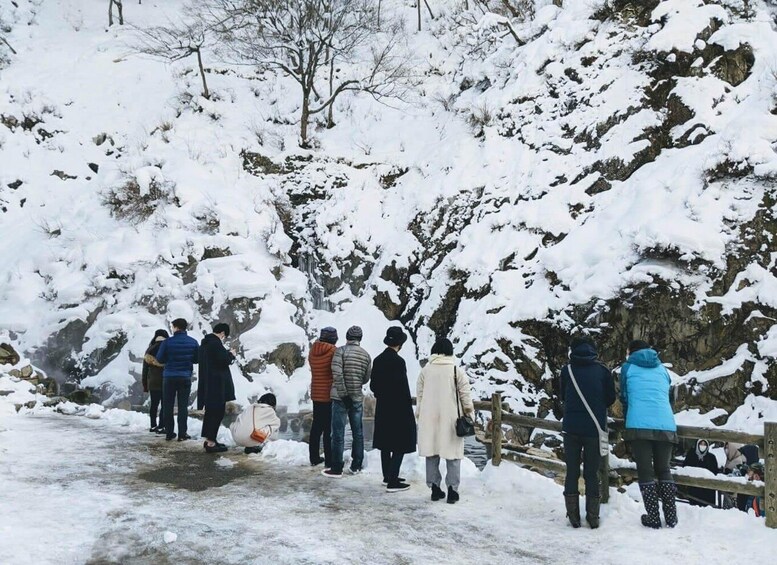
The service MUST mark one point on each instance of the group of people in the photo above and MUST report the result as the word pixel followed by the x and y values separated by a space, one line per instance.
pixel 168 367
pixel 338 378
pixel 587 390
pixel 339 375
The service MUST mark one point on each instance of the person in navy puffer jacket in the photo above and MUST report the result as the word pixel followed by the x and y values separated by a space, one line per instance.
pixel 179 354
pixel 650 429
pixel 581 436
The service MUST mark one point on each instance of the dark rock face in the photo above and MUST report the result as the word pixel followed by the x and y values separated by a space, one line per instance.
pixel 8 355
pixel 288 357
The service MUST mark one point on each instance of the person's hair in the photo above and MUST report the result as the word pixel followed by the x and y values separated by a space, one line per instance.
pixel 159 333
pixel 442 346
pixel 580 340
pixel 221 329
pixel 638 345
pixel 269 399
pixel 180 324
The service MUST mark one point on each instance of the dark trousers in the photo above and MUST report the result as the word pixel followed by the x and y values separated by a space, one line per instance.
pixel 652 458
pixel 214 414
pixel 583 449
pixel 173 389
pixel 390 462
pixel 153 408
pixel 322 426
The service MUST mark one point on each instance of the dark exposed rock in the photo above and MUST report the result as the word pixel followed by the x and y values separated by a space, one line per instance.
pixel 734 66
pixel 288 357
pixel 8 355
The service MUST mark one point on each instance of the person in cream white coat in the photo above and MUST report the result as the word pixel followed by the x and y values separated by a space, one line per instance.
pixel 437 413
pixel 260 417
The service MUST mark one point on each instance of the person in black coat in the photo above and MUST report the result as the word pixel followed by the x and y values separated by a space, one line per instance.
pixel 700 456
pixel 581 433
pixel 215 387
pixel 395 429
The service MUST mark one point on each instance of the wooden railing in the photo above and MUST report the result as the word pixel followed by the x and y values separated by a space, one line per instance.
pixel 519 454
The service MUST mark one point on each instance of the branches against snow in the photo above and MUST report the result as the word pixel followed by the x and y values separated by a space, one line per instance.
pixel 177 41
pixel 315 42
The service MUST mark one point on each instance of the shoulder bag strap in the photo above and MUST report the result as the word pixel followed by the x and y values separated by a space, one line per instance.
pixel 585 402
pixel 456 388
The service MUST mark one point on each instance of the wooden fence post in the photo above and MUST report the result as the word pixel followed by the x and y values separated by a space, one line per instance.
pixel 496 428
pixel 770 490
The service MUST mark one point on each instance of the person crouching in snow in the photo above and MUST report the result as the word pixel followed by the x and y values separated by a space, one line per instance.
pixel 256 424
pixel 700 456
pixel 755 504
pixel 215 387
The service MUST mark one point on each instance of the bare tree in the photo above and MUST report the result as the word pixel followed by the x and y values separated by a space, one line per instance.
pixel 177 41
pixel 304 38
pixel 119 9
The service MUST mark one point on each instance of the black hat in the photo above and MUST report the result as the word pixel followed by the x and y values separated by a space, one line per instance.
pixel 269 399
pixel 395 336
pixel 328 335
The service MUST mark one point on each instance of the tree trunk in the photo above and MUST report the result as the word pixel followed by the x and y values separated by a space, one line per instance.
pixel 120 7
pixel 379 3
pixel 205 91
pixel 330 121
pixel 110 13
pixel 431 15
pixel 303 123
pixel 418 2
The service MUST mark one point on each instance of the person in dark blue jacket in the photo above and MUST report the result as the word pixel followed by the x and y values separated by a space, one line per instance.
pixel 179 354
pixel 581 435
pixel 650 430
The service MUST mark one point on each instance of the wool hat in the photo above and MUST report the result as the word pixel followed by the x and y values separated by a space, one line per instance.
pixel 395 336
pixel 328 335
pixel 354 333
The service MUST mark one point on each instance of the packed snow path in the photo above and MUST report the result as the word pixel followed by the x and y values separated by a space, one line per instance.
pixel 88 491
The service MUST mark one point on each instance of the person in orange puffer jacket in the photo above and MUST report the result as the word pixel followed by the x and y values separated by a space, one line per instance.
pixel 320 360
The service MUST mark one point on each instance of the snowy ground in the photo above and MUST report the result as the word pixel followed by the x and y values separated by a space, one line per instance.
pixel 78 490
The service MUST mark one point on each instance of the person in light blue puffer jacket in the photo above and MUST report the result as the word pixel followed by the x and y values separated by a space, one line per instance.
pixel 650 430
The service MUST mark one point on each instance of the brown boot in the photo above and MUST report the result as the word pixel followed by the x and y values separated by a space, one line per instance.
pixel 572 502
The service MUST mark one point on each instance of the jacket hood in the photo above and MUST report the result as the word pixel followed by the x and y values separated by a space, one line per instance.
pixel 442 359
pixel 647 358
pixel 321 348
pixel 699 453
pixel 583 353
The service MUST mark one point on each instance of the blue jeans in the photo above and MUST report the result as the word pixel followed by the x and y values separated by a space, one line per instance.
pixel 176 389
pixel 340 414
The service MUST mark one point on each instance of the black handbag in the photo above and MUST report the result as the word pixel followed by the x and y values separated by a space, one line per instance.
pixel 464 424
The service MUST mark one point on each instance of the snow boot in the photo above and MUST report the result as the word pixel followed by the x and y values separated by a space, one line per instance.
pixel 667 491
pixel 396 486
pixel 437 493
pixel 650 497
pixel 592 505
pixel 453 496
pixel 572 502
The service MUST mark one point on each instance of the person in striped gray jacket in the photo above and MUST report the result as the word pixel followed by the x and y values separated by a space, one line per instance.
pixel 351 367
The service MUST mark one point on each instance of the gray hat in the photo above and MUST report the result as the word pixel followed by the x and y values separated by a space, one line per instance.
pixel 354 333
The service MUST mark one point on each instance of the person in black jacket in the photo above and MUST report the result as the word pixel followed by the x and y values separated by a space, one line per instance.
pixel 215 387
pixel 581 435
pixel 152 380
pixel 395 429
pixel 700 456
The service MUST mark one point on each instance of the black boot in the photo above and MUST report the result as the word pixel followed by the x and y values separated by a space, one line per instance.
pixel 667 491
pixel 572 502
pixel 437 493
pixel 592 504
pixel 453 496
pixel 650 497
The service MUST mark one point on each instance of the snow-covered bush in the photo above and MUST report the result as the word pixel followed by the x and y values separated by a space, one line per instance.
pixel 136 199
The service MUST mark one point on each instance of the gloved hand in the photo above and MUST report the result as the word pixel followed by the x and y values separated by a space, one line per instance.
pixel 347 402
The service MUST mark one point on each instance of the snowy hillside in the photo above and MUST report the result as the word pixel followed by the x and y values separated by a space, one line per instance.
pixel 606 166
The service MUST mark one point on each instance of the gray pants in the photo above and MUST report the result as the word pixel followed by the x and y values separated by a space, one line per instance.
pixel 452 475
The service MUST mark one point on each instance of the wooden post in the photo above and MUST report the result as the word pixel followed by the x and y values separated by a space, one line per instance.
pixel 770 480
pixel 496 428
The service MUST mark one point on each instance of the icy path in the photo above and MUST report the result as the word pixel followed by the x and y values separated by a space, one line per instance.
pixel 76 490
